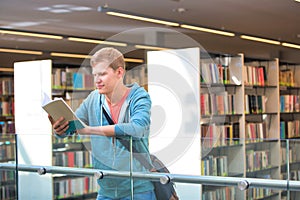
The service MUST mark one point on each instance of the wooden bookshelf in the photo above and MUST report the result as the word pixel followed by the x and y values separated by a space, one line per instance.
pixel 7 132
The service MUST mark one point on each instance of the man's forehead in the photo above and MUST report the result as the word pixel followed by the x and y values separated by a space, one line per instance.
pixel 101 66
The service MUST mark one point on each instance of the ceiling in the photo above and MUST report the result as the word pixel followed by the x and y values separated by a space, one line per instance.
pixel 273 19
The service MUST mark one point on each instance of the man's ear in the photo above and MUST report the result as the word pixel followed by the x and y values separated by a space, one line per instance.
pixel 120 71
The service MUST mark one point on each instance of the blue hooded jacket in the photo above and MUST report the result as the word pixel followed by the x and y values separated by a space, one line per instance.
pixel 107 152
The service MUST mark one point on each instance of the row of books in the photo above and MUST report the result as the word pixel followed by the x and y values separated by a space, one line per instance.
pixel 286 78
pixel 289 129
pixel 257 160
pixel 255 104
pixel 289 103
pixel 6 86
pixel 214 73
pixel 7 185
pixel 217 104
pixel 292 152
pixel 214 166
pixel 71 139
pixel 7 127
pixel 255 75
pixel 293 175
pixel 6 176
pixel 7 151
pixel 8 192
pixel 214 135
pixel 72 159
pixel 72 187
pixel 7 106
pixel 259 193
pixel 226 193
pixel 72 78
pixel 136 75
pixel 256 132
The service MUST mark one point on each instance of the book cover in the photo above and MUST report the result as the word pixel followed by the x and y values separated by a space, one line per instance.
pixel 77 80
pixel 59 108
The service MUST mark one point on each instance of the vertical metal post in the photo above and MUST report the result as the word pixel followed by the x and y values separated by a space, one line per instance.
pixel 16 171
pixel 131 169
pixel 288 168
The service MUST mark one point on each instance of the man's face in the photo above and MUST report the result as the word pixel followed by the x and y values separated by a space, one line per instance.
pixel 105 77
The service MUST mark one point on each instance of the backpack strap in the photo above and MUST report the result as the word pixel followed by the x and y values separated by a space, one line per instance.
pixel 139 156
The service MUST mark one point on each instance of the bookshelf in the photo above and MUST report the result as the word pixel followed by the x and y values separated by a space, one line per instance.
pixel 262 123
pixel 73 83
pixel 221 75
pixel 7 103
pixel 7 133
pixel 289 101
pixel 289 123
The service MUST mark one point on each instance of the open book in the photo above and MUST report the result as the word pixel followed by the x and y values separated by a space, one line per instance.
pixel 59 108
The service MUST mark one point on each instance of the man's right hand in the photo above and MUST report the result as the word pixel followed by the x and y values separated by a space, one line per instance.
pixel 60 126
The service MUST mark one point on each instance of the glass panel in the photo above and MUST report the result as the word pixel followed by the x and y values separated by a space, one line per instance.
pixel 74 151
pixel 179 155
pixel 221 156
pixel 264 159
pixel 83 152
pixel 291 170
pixel 262 162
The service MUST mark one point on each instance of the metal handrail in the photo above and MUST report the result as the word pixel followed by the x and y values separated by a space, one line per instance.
pixel 241 183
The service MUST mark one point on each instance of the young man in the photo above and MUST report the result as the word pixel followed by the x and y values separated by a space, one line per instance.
pixel 129 108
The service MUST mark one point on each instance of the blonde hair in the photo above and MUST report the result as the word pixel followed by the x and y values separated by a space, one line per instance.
pixel 110 55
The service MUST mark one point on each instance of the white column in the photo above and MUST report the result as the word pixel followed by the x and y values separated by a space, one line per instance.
pixel 32 81
pixel 174 87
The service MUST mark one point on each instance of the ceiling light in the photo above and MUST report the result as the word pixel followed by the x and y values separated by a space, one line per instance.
pixel 296 46
pixel 134 60
pixel 75 39
pixel 21 51
pixel 122 14
pixel 149 47
pixel 208 30
pixel 40 35
pixel 69 55
pixel 64 8
pixel 2 69
pixel 80 8
pixel 157 21
pixel 60 11
pixel 257 39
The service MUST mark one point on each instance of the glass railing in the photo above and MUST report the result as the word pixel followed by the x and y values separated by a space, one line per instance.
pixel 44 167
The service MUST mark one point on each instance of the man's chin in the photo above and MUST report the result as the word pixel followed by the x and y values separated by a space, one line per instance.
pixel 101 91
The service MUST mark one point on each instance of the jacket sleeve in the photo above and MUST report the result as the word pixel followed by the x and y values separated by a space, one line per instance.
pixel 139 112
